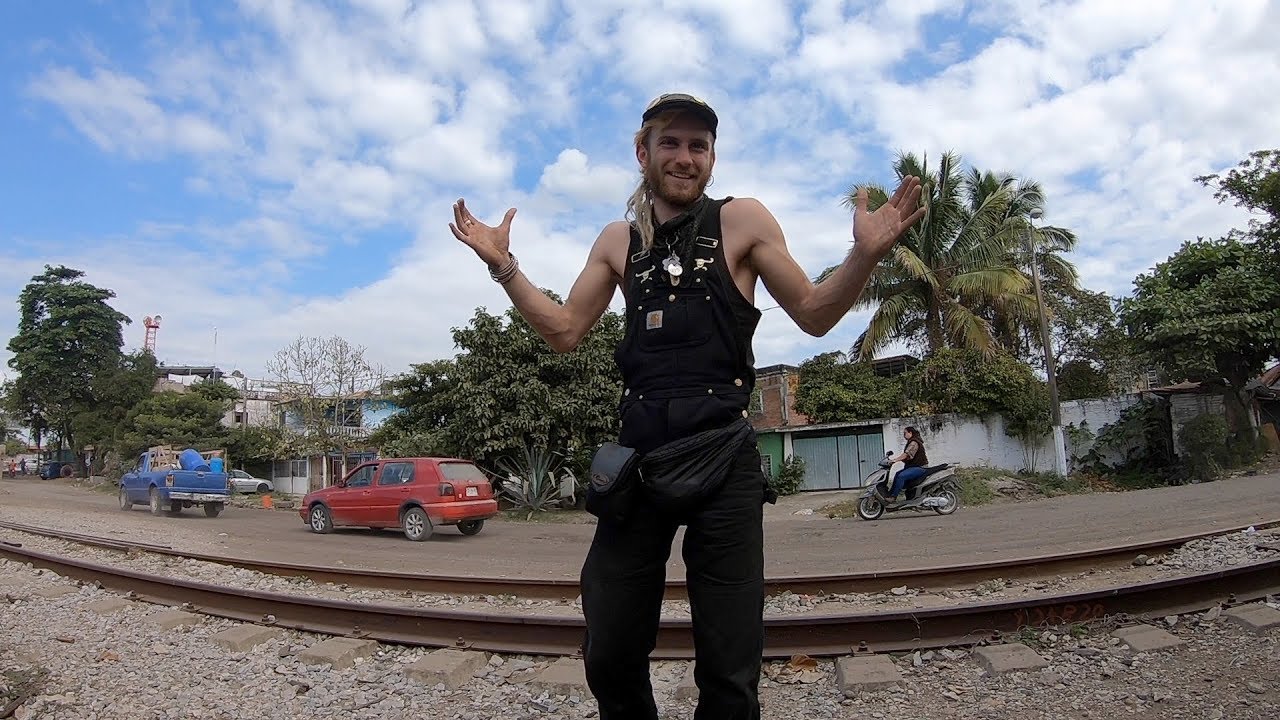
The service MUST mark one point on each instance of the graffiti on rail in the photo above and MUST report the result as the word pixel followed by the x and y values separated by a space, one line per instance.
pixel 1059 614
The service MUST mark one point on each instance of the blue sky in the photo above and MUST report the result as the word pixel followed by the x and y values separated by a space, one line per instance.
pixel 274 169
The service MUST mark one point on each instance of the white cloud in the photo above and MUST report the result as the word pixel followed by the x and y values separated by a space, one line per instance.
pixel 317 123
pixel 571 176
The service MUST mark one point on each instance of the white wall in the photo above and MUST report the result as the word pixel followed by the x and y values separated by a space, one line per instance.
pixel 965 440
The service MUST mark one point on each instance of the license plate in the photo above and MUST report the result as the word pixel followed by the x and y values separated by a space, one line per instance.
pixel 473 491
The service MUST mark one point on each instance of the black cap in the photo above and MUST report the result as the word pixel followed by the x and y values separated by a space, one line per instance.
pixel 683 102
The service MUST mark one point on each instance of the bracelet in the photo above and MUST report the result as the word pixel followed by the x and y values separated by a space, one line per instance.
pixel 508 270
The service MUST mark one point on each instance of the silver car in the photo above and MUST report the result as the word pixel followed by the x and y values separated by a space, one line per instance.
pixel 243 482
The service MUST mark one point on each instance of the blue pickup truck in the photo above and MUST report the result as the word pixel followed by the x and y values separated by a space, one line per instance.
pixel 160 481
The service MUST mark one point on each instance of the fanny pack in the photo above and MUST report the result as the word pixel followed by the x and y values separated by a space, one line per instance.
pixel 680 474
pixel 611 490
pixel 675 476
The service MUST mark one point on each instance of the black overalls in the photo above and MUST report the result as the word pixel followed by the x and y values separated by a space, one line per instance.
pixel 687 366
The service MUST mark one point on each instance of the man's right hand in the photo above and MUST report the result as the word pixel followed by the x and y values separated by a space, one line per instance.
pixel 491 244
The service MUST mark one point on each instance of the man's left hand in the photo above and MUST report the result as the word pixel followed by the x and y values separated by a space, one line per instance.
pixel 874 233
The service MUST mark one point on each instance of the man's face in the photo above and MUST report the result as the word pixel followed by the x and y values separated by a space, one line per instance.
pixel 677 160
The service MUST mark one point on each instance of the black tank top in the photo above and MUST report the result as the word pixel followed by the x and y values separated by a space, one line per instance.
pixel 685 356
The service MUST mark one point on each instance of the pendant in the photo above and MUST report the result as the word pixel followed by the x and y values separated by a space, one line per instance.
pixel 673 268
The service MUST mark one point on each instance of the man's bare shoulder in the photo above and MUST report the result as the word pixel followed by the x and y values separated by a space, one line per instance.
pixel 748 221
pixel 611 245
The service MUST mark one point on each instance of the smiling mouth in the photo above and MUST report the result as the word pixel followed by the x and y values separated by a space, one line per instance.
pixel 680 176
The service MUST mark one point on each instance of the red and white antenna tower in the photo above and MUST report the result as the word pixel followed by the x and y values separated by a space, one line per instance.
pixel 152 324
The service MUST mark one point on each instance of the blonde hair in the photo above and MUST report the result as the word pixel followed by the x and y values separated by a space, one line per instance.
pixel 640 204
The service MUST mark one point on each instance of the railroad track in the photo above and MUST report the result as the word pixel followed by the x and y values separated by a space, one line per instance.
pixel 925 578
pixel 811 634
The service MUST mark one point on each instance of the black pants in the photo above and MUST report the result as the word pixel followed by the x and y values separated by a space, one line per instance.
pixel 622 586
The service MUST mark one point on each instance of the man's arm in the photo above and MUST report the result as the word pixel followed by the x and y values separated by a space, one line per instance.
pixel 817 308
pixel 564 326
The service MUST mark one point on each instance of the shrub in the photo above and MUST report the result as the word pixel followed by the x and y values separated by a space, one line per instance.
pixel 790 476
pixel 1204 438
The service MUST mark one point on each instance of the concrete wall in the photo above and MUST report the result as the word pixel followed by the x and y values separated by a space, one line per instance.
pixel 1187 407
pixel 963 440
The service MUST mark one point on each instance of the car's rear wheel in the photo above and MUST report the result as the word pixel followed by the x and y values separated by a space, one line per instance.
pixel 320 520
pixel 416 524
pixel 262 488
pixel 470 527
pixel 212 509
pixel 157 508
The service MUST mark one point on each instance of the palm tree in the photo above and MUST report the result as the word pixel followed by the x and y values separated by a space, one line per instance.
pixel 943 281
pixel 1014 317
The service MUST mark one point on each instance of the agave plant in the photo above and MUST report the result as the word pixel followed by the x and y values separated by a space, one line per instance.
pixel 535 488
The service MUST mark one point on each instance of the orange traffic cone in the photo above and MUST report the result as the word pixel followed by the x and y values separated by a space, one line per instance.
pixel 266 502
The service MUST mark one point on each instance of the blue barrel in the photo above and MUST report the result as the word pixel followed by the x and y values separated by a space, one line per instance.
pixel 216 465
pixel 192 460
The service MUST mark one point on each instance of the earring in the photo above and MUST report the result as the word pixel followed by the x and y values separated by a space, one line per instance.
pixel 711 180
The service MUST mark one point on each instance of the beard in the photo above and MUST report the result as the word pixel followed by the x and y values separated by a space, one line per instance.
pixel 680 194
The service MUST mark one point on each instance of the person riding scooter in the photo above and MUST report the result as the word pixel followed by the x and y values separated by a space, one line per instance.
pixel 915 459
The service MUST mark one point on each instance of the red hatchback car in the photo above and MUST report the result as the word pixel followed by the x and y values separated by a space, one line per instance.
pixel 414 494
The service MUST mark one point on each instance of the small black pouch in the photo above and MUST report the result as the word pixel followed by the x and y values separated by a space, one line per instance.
pixel 611 487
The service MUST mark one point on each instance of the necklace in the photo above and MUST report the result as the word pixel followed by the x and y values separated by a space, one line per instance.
pixel 676 234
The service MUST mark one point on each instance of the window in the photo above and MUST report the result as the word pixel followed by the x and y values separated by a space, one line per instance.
pixel 298 468
pixel 766 465
pixel 462 471
pixel 239 418
pixel 362 477
pixel 399 473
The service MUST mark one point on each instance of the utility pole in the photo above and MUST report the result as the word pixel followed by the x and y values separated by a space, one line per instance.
pixel 1055 412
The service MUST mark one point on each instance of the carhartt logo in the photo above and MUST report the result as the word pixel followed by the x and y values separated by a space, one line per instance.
pixel 653 320
pixel 599 480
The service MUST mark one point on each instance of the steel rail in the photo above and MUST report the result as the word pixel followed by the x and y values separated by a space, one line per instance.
pixel 812 634
pixel 928 578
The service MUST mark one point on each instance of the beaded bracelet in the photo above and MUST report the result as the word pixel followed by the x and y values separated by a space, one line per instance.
pixel 504 274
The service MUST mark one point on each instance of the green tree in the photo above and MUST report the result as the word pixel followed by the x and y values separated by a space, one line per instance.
pixel 68 338
pixel 182 419
pixel 832 390
pixel 117 393
pixel 426 400
pixel 954 278
pixel 514 392
pixel 967 382
pixel 1254 184
pixel 1093 354
pixel 1211 312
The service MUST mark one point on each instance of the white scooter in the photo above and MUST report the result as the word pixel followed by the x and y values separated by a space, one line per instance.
pixel 936 490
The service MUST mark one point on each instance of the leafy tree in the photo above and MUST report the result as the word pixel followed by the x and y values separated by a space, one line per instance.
pixel 954 280
pixel 1093 354
pixel 68 338
pixel 1254 184
pixel 252 445
pixel 969 382
pixel 118 392
pixel 183 419
pixel 423 426
pixel 1211 312
pixel 831 390
pixel 514 392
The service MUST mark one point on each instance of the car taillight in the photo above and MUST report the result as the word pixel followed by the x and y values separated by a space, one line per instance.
pixel 446 489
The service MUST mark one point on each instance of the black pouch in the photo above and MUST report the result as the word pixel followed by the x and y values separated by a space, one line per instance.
pixel 682 473
pixel 612 486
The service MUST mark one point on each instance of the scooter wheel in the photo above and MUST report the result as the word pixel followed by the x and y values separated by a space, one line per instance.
pixel 870 508
pixel 953 502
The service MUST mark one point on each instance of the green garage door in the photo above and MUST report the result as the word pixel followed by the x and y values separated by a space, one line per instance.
pixel 837 462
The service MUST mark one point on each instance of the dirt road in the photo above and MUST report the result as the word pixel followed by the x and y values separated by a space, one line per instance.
pixel 795 544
